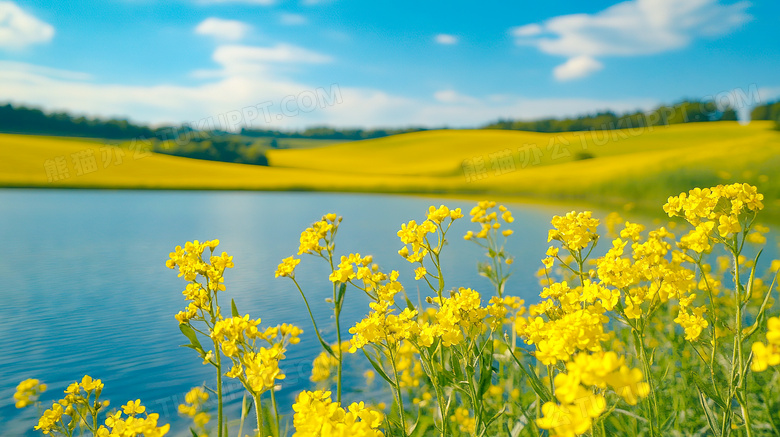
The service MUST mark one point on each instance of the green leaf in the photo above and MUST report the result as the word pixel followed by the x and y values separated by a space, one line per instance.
pixel 378 368
pixel 194 434
pixel 327 347
pixel 496 416
pixel 485 379
pixel 712 420
pixel 457 368
pixel 446 377
pixel 668 423
pixel 340 295
pixel 461 388
pixel 411 429
pixel 233 308
pixel 248 405
pixel 192 336
pixel 409 303
pixel 749 290
pixel 709 391
pixel 507 431
pixel 533 379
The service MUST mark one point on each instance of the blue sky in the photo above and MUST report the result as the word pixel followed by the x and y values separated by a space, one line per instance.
pixel 382 63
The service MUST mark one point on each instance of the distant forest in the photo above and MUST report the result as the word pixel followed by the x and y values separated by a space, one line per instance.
pixel 683 112
pixel 24 120
pixel 249 145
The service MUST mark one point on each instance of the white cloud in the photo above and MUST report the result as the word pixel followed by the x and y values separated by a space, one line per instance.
pixel 18 29
pixel 292 19
pixel 233 55
pixel 768 94
pixel 22 69
pixel 446 39
pixel 633 28
pixel 576 68
pixel 527 30
pixel 223 30
pixel 251 76
pixel 237 60
pixel 452 96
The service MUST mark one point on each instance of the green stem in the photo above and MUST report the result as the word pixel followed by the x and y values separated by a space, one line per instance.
pixel 311 315
pixel 259 414
pixel 551 378
pixel 714 321
pixel 336 311
pixel 653 402
pixel 94 415
pixel 476 403
pixel 218 360
pixel 398 393
pixel 219 388
pixel 243 416
pixel 340 354
pixel 276 409
pixel 432 375
pixel 742 399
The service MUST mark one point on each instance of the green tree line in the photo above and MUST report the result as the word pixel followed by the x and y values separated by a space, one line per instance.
pixel 770 111
pixel 683 112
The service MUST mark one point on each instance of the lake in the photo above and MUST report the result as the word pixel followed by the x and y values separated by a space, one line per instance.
pixel 85 288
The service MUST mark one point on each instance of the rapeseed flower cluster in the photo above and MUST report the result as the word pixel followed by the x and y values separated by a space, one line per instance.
pixel 487 237
pixel 323 364
pixel 194 407
pixel 488 220
pixel 27 392
pixel 462 417
pixel 257 367
pixel 574 230
pixel 353 267
pixel 459 316
pixel 382 327
pixel 721 205
pixel 81 407
pixel 322 231
pixel 191 263
pixel 77 398
pixel 417 237
pixel 316 415
pixel 580 392
pixel 287 267
pixel 504 310
pixel 116 425
pixel 767 354
pixel 557 339
pixel 650 276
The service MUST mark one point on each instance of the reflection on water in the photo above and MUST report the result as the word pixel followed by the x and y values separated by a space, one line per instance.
pixel 85 289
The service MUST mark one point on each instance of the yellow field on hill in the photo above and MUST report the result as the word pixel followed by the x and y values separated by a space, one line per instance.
pixel 643 165
pixel 443 152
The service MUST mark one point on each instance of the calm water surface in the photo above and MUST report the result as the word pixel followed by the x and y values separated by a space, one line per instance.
pixel 85 289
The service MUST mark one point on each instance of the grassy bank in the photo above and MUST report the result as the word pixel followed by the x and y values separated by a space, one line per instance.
pixel 611 167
